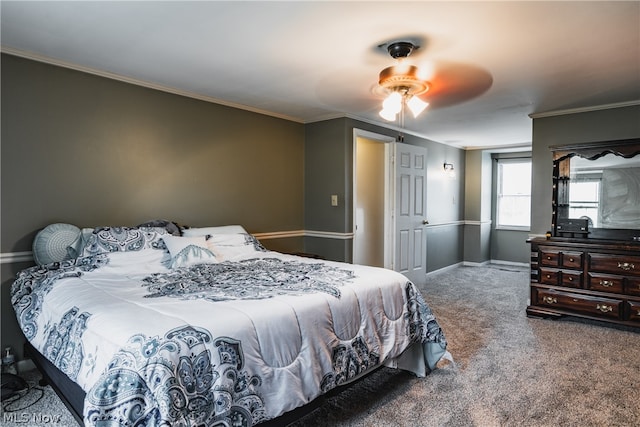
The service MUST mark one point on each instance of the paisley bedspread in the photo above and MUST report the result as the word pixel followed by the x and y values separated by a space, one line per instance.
pixel 231 343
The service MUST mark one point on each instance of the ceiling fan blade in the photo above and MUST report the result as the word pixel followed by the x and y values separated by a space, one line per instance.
pixel 453 83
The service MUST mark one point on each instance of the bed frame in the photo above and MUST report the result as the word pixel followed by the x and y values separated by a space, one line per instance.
pixel 73 396
pixel 69 392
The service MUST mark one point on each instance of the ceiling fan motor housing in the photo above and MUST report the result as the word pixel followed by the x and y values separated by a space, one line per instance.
pixel 401 49
pixel 402 77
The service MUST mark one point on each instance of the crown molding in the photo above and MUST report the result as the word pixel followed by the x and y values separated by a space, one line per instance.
pixel 142 83
pixel 583 109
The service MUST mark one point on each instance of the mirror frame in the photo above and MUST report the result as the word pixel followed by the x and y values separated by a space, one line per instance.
pixel 562 155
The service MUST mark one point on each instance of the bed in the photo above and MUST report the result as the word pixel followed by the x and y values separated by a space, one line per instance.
pixel 206 327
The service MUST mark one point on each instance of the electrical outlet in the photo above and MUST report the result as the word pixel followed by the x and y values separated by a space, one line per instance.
pixel 334 200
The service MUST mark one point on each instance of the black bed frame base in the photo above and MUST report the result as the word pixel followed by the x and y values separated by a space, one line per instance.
pixel 73 396
pixel 69 392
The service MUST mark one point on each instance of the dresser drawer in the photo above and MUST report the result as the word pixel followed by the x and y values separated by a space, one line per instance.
pixel 595 306
pixel 555 258
pixel 605 283
pixel 632 286
pixel 571 259
pixel 616 264
pixel 572 279
pixel 555 277
pixel 634 313
pixel 549 276
pixel 549 258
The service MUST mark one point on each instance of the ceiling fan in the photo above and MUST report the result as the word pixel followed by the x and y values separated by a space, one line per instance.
pixel 402 82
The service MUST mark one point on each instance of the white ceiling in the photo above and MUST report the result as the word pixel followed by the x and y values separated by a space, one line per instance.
pixel 494 63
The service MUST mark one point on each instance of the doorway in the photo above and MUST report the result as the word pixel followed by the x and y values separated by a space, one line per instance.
pixel 372 181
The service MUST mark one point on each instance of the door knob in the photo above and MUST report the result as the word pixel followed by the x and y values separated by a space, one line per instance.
pixel 425 222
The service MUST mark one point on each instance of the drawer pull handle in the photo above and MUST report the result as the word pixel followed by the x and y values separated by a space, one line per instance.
pixel 604 308
pixel 570 279
pixel 550 300
pixel 606 283
pixel 548 257
pixel 570 259
pixel 626 266
pixel 548 276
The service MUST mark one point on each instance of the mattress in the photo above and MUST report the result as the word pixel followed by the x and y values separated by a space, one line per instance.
pixel 170 335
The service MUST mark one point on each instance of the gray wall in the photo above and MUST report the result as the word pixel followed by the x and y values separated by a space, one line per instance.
pixel 477 212
pixel 592 126
pixel 329 170
pixel 91 151
pixel 510 246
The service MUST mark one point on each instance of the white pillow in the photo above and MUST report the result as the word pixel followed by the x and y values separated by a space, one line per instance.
pixel 186 251
pixel 142 261
pixel 231 246
pixel 205 231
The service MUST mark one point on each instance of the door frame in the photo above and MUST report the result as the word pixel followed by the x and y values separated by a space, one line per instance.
pixel 389 193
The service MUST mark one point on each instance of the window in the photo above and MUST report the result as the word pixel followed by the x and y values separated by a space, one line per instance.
pixel 513 208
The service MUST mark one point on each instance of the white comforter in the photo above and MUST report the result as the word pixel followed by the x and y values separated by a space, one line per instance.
pixel 238 342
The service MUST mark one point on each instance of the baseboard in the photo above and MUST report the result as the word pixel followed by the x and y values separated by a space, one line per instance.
pixel 511 263
pixel 475 264
pixel 478 264
pixel 443 269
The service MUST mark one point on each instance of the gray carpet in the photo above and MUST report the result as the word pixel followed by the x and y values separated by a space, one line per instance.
pixel 509 370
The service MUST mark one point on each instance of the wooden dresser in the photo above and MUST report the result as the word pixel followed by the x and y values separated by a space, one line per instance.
pixel 592 279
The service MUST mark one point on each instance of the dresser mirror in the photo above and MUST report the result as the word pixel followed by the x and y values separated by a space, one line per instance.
pixel 596 190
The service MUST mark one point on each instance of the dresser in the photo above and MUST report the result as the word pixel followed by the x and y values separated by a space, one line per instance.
pixel 591 279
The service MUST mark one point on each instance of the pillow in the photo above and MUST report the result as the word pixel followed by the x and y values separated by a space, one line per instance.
pixel 186 251
pixel 122 239
pixel 50 244
pixel 230 246
pixel 206 231
pixel 170 226
pixel 74 250
pixel 138 262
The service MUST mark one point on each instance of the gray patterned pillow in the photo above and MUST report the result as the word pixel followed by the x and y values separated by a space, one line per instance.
pixel 122 239
pixel 51 243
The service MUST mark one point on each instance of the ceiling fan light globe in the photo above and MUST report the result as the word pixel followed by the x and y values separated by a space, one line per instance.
pixel 389 116
pixel 393 103
pixel 416 105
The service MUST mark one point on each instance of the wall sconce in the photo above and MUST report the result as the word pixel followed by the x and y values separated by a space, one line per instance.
pixel 448 170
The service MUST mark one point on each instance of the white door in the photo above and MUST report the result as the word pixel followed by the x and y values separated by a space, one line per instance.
pixel 410 211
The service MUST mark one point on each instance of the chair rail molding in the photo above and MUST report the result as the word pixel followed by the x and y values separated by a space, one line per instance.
pixel 27 256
